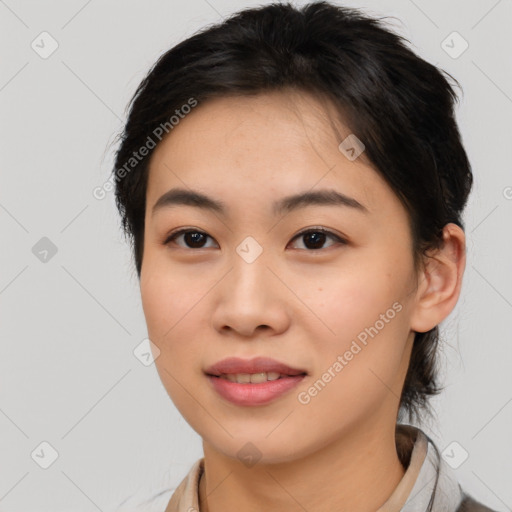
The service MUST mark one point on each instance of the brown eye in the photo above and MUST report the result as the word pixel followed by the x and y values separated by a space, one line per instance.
pixel 315 238
pixel 193 238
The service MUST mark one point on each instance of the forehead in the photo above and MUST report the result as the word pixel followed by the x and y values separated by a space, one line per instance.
pixel 244 127
pixel 265 145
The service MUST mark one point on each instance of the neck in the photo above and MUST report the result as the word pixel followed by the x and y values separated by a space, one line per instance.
pixel 337 477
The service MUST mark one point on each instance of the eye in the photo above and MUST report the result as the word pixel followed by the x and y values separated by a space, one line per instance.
pixel 193 237
pixel 315 237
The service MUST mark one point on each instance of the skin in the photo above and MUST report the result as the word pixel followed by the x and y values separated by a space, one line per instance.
pixel 299 305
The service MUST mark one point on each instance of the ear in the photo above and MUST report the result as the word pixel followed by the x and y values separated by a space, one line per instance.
pixel 440 280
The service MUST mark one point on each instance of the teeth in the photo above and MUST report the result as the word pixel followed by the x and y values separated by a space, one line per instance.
pixel 262 377
pixel 253 378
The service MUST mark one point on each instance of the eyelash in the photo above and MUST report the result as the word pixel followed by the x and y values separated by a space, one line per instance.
pixel 176 234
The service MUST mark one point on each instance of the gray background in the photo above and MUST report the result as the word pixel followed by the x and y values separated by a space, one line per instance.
pixel 69 325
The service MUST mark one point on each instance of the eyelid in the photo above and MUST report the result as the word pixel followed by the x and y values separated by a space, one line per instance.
pixel 312 229
pixel 180 231
pixel 320 229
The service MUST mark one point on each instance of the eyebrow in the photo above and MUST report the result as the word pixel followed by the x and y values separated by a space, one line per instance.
pixel 325 197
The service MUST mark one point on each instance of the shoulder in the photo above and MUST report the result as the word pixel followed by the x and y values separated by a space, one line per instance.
pixel 469 504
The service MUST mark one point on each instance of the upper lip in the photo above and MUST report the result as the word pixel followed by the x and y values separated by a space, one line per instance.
pixel 233 365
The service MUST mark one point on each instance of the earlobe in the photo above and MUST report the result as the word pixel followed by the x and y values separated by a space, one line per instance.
pixel 440 281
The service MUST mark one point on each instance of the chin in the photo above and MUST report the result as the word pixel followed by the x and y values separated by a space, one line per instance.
pixel 260 449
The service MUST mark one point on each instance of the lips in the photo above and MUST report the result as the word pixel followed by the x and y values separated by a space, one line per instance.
pixel 253 382
pixel 235 365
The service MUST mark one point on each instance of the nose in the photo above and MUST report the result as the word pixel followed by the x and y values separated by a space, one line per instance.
pixel 250 298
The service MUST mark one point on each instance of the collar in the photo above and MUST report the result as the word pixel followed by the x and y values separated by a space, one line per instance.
pixel 428 482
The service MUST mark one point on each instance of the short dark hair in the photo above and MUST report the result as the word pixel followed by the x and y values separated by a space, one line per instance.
pixel 399 105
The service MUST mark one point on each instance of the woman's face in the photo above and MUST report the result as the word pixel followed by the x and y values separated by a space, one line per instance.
pixel 245 283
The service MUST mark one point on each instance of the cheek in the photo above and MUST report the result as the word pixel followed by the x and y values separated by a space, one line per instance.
pixel 366 309
pixel 157 305
pixel 356 299
pixel 170 325
pixel 172 304
pixel 168 296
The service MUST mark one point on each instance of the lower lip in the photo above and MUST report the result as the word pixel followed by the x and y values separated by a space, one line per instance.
pixel 254 394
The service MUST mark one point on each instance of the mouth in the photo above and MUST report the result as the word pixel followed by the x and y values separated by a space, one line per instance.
pixel 253 382
pixel 260 369
pixel 253 378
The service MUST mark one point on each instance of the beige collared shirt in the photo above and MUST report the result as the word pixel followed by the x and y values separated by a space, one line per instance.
pixel 426 472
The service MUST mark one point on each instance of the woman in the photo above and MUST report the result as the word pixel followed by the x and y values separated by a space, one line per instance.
pixel 293 181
